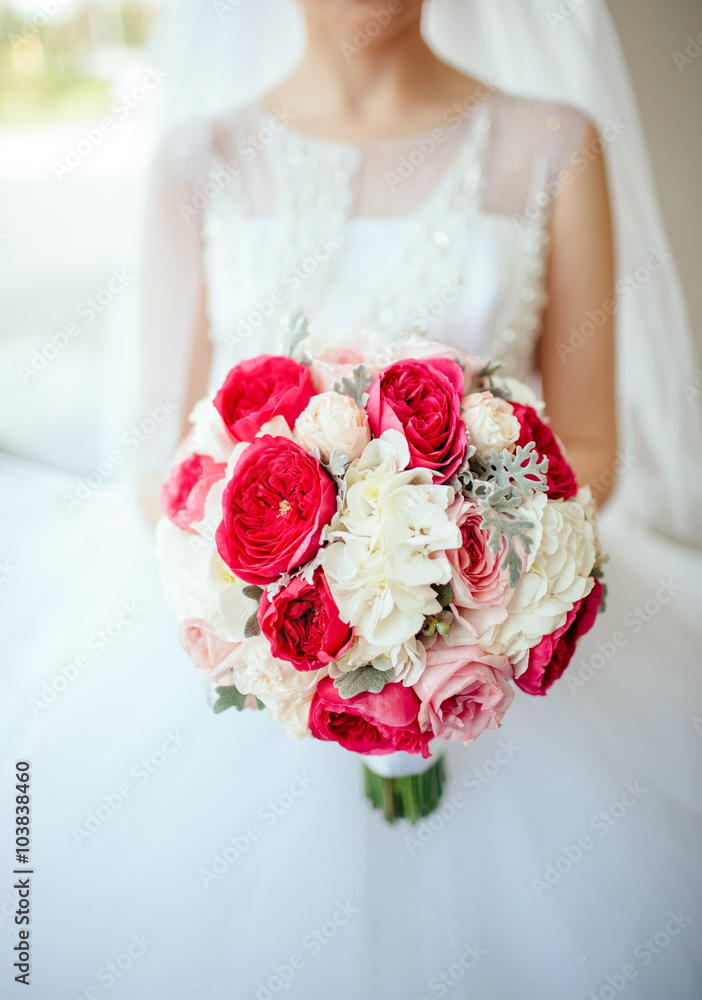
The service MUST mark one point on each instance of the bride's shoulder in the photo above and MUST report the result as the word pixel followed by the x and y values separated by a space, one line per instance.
pixel 535 127
pixel 536 117
pixel 190 146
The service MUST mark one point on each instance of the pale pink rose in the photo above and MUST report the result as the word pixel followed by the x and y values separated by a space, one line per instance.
pixel 335 363
pixel 490 422
pixel 414 345
pixel 184 496
pixel 214 657
pixel 480 588
pixel 332 421
pixel 462 691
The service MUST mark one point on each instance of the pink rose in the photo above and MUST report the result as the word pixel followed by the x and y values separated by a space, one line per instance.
pixel 212 656
pixel 551 656
pixel 273 510
pixel 463 691
pixel 422 400
pixel 369 723
pixel 259 389
pixel 333 364
pixel 480 588
pixel 183 496
pixel 302 623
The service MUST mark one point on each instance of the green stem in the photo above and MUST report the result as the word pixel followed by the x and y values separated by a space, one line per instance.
pixel 411 797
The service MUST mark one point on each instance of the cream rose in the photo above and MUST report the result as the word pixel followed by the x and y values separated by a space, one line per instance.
pixel 558 577
pixel 331 421
pixel 490 423
pixel 286 692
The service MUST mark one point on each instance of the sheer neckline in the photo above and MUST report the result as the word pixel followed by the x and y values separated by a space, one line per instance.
pixel 265 113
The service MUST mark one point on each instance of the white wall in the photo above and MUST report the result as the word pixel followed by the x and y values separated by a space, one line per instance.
pixel 670 102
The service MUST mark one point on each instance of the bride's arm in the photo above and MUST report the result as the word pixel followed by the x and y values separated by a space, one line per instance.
pixel 576 349
pixel 199 362
pixel 174 347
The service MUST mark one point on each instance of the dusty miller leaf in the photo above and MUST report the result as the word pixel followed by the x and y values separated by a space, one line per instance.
pixel 499 485
pixel 504 480
pixel 298 329
pixel 307 571
pixel 598 574
pixel 508 527
pixel 356 387
pixel 337 464
pixel 444 593
pixel 274 588
pixel 364 679
pixel 252 628
pixel 229 697
pixel 252 591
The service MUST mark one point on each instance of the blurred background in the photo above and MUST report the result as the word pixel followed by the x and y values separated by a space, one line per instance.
pixel 77 98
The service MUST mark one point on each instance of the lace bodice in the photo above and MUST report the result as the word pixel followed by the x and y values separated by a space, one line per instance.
pixel 446 232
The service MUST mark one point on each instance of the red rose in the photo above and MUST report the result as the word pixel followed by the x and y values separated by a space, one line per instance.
pixel 369 723
pixel 273 510
pixel 422 399
pixel 302 623
pixel 560 476
pixel 183 496
pixel 257 390
pixel 548 660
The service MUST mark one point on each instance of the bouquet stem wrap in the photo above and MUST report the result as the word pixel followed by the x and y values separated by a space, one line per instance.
pixel 404 786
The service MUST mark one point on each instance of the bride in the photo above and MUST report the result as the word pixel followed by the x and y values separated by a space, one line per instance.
pixel 368 182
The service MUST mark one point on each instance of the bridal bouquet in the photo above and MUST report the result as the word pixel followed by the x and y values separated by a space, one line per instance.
pixel 375 543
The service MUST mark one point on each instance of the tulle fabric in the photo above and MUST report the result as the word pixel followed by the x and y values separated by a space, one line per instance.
pixel 229 848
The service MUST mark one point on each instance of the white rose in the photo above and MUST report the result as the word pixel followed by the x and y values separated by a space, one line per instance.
pixel 331 421
pixel 286 692
pixel 558 577
pixel 209 435
pixel 490 422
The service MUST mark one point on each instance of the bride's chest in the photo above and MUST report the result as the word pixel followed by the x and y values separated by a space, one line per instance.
pixel 319 231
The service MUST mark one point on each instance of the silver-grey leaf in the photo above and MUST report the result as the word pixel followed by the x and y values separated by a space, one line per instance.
pixel 252 628
pixel 356 387
pixel 364 679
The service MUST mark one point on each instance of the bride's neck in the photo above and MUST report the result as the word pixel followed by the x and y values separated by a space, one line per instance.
pixel 362 86
pixel 349 74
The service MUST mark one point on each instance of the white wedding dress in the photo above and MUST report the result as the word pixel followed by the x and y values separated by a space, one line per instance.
pixel 236 863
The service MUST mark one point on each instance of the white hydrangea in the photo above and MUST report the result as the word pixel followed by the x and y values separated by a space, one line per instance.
pixel 558 576
pixel 388 544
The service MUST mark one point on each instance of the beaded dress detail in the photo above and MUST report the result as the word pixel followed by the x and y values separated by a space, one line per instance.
pixel 445 232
